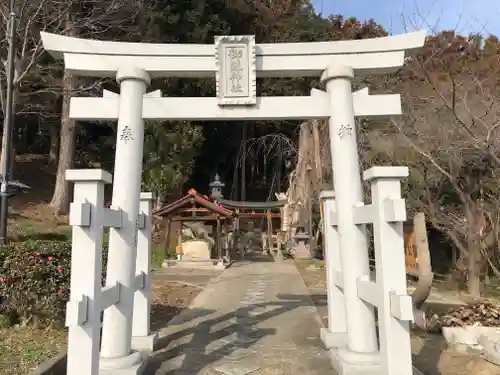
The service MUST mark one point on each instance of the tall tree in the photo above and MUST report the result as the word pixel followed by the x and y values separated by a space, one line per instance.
pixel 449 138
pixel 170 149
pixel 101 19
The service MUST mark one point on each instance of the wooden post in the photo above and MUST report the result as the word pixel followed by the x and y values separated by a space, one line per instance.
pixel 239 236
pixel 178 249
pixel 226 239
pixel 168 230
pixel 269 232
pixel 218 241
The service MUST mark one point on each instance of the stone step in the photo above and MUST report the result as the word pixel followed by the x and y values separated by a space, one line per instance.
pixel 196 264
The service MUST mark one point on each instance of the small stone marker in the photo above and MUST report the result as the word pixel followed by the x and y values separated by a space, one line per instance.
pixel 236 369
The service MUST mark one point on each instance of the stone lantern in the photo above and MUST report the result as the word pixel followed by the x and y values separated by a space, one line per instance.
pixel 216 186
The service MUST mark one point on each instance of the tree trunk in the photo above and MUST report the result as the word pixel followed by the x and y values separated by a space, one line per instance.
pixel 474 253
pixel 159 201
pixel 474 271
pixel 54 145
pixel 61 198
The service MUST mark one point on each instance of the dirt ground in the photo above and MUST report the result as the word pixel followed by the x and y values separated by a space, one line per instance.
pixel 168 300
pixel 431 355
pixel 22 349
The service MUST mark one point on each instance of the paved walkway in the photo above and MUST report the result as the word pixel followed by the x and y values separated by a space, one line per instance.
pixel 194 277
pixel 255 318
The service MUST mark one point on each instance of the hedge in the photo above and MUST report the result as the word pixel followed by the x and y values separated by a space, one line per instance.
pixel 35 281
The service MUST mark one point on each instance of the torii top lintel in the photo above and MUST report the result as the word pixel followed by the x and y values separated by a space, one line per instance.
pixel 104 58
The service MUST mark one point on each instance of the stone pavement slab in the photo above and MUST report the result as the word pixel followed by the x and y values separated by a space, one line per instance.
pixel 254 318
pixel 193 277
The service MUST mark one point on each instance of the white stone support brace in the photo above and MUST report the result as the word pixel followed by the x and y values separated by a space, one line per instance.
pixel 368 291
pixel 335 334
pixel 140 281
pixel 76 312
pixel 401 306
pixel 84 309
pixel 360 320
pixel 337 278
pixel 141 221
pixel 143 339
pixel 112 217
pixel 394 306
pixel 395 210
pixel 333 216
pixel 79 214
pixel 116 350
pixel 363 214
pixel 110 296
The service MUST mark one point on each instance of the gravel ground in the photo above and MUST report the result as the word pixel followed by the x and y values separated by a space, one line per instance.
pixel 431 355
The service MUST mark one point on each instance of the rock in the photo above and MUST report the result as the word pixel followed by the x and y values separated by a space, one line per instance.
pixel 195 250
pixel 491 347
pixel 484 313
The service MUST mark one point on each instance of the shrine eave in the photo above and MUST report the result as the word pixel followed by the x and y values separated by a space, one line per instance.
pixel 193 197
pixel 252 205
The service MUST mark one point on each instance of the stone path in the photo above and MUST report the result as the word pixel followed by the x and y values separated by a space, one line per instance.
pixel 195 277
pixel 255 318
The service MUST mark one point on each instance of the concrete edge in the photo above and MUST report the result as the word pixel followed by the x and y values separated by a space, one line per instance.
pixel 206 292
pixel 52 366
pixel 187 284
pixel 317 316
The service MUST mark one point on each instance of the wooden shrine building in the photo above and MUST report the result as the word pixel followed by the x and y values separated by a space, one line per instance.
pixel 195 207
pixel 246 210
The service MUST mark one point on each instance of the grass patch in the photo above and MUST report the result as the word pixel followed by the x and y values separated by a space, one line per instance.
pixel 23 349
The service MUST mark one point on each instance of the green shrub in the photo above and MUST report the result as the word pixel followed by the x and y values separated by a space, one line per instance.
pixel 157 256
pixel 35 280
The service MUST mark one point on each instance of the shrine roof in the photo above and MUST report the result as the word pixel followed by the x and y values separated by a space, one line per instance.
pixel 193 197
pixel 252 205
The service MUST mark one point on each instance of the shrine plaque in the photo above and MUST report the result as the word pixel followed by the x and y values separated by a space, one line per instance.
pixel 235 70
pixel 411 256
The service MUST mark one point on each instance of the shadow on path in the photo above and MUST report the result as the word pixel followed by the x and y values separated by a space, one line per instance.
pixel 190 355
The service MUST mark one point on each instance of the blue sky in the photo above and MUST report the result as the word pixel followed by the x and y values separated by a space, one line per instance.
pixel 464 16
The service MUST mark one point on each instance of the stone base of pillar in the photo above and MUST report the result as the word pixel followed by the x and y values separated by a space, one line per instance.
pixel 133 364
pixel 333 340
pixel 214 264
pixel 145 344
pixel 346 362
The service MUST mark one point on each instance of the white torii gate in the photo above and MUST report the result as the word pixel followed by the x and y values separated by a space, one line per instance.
pixel 235 62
